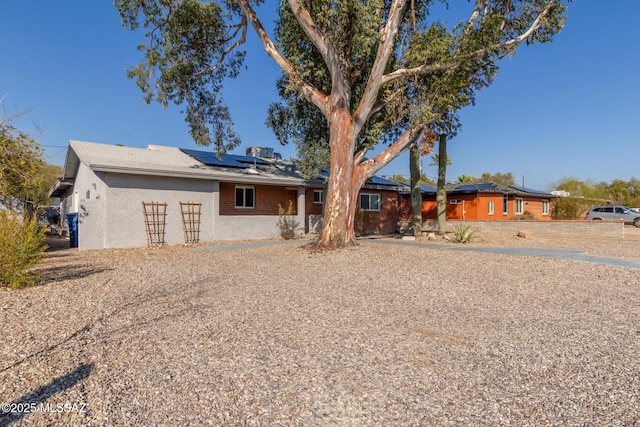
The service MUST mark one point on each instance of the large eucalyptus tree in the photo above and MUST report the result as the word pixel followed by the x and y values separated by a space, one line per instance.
pixel 356 73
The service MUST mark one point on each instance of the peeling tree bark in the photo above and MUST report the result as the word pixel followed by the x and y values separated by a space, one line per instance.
pixel 345 180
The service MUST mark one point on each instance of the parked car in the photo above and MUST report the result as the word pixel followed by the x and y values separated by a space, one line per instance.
pixel 614 213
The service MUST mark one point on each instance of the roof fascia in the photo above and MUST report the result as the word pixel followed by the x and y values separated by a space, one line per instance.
pixel 250 179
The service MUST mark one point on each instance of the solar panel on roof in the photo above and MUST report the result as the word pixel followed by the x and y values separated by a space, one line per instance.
pixel 376 180
pixel 528 190
pixel 323 174
pixel 212 159
pixel 246 159
pixel 482 186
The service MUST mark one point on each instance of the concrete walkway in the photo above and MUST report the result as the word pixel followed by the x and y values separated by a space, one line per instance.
pixel 507 250
pixel 518 251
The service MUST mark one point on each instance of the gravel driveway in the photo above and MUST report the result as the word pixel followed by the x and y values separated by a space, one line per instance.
pixel 374 335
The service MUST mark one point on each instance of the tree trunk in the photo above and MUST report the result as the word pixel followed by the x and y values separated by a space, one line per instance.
pixel 416 193
pixel 345 181
pixel 441 194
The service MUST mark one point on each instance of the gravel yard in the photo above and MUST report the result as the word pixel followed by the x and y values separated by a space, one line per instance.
pixel 373 335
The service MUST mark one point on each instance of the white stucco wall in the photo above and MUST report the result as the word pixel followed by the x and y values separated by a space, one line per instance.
pixel 232 227
pixel 124 212
pixel 111 214
pixel 86 198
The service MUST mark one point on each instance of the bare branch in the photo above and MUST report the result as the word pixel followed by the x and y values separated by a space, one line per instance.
pixel 385 48
pixel 340 79
pixel 505 47
pixel 316 96
pixel 472 22
pixel 536 24
pixel 405 72
pixel 371 166
pixel 359 154
pixel 242 25
pixel 475 15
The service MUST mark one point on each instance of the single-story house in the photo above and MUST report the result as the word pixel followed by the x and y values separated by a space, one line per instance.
pixel 131 197
pixel 482 201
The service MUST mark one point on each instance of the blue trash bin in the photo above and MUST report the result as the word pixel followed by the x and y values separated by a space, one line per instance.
pixel 72 218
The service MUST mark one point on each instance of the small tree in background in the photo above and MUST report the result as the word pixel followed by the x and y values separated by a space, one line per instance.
pixel 22 172
pixel 498 177
pixel 20 162
pixel 571 207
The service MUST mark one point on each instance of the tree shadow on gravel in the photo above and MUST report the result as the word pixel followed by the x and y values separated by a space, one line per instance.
pixel 15 410
pixel 56 255
pixel 60 274
pixel 56 244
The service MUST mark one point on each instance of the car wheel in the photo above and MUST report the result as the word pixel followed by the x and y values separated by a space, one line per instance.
pixel 636 222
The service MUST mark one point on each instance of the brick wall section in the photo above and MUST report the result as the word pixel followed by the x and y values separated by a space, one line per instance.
pixel 310 207
pixel 267 198
pixel 378 222
pixel 386 220
pixel 612 229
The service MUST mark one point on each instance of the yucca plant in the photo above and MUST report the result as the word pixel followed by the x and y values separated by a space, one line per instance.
pixel 462 234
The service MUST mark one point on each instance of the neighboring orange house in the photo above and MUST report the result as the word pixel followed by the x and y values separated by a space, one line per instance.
pixel 484 201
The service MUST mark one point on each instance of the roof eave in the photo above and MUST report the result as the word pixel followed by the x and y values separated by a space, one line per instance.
pixel 248 179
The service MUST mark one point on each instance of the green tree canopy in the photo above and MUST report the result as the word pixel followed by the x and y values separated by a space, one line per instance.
pixel 498 177
pixel 20 162
pixel 356 74
pixel 424 179
pixel 618 191
pixel 23 172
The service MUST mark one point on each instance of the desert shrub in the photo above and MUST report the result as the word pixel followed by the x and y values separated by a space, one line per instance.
pixel 525 216
pixel 287 222
pixel 461 234
pixel 22 245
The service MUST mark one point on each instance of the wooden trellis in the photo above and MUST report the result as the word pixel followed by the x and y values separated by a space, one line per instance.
pixel 155 215
pixel 191 221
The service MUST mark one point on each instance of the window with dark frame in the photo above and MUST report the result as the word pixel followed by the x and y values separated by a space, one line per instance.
pixel 318 197
pixel 245 197
pixel 369 202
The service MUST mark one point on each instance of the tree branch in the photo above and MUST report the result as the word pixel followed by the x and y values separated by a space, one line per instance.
pixel 243 37
pixel 371 166
pixel 340 79
pixel 315 95
pixel 505 47
pixel 385 48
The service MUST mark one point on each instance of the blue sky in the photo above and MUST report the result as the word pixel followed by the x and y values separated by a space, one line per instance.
pixel 566 109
